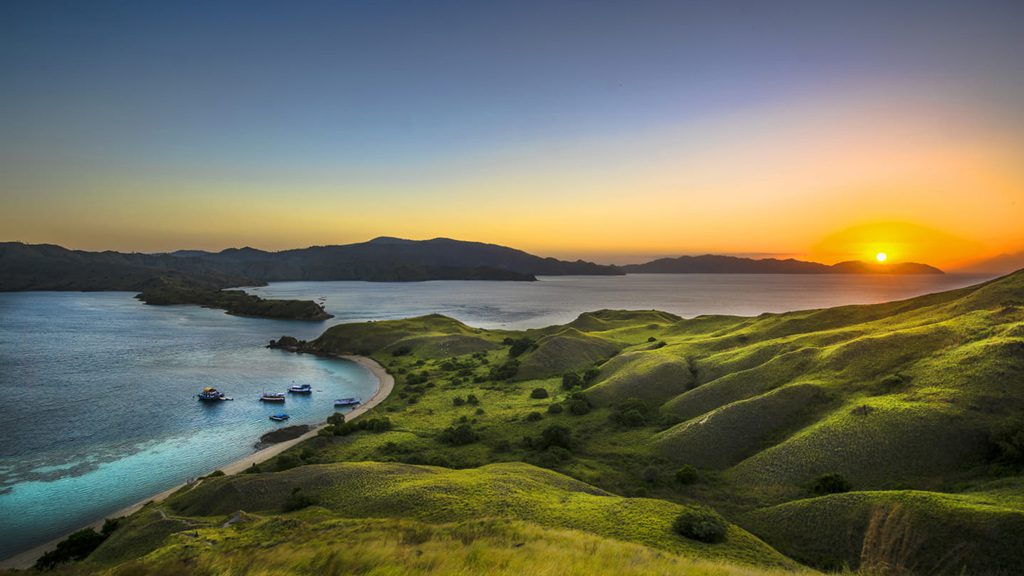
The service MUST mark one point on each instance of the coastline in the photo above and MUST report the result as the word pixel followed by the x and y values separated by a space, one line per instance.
pixel 385 384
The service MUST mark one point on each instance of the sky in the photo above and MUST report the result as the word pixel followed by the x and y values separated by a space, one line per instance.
pixel 612 131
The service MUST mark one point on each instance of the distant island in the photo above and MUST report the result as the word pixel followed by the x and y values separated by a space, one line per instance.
pixel 199 277
pixel 714 264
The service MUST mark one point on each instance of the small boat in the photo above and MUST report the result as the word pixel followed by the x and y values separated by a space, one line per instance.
pixel 211 395
pixel 280 417
pixel 301 389
pixel 345 402
pixel 272 397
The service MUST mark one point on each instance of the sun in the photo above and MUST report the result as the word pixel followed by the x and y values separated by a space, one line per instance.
pixel 881 257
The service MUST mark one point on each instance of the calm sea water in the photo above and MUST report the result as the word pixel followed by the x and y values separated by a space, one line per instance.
pixel 560 299
pixel 99 409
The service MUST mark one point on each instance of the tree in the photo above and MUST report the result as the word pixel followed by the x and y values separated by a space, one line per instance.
pixel 459 435
pixel 702 524
pixel 519 346
pixel 570 380
pixel 539 393
pixel 830 484
pixel 556 435
pixel 687 475
pixel 578 404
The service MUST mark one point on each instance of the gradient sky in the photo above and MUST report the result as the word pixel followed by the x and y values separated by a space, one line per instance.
pixel 607 130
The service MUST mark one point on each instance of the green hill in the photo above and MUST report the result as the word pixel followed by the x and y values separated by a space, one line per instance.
pixel 915 405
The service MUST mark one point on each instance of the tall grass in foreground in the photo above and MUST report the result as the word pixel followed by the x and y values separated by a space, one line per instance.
pixel 398 547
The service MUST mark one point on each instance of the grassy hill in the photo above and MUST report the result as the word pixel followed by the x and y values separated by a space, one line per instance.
pixel 886 438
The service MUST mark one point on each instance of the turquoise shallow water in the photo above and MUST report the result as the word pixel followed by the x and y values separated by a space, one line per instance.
pixel 99 409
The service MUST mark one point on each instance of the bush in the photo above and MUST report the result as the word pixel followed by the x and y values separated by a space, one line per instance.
pixel 591 374
pixel 401 351
pixel 651 339
pixel 519 346
pixel 76 547
pixel 298 500
pixel 472 400
pixel 650 475
pixel 505 370
pixel 687 475
pixel 534 417
pixel 578 404
pixel 555 435
pixel 830 484
pixel 458 401
pixel 570 380
pixel 631 413
pixel 1007 441
pixel 459 435
pixel 702 524
pixel 555 408
pixel 539 393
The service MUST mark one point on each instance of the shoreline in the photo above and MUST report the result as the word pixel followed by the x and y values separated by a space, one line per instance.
pixel 385 384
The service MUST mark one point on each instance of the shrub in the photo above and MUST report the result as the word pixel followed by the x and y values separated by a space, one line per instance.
pixel 830 484
pixel 555 435
pixel 534 417
pixel 459 435
pixel 458 401
pixel 650 475
pixel 1007 441
pixel 539 393
pixel 287 461
pixel 298 500
pixel 76 547
pixel 687 475
pixel 651 339
pixel 472 400
pixel 570 380
pixel 591 374
pixel 631 413
pixel 555 408
pixel 519 346
pixel 401 351
pixel 578 404
pixel 700 523
pixel 504 371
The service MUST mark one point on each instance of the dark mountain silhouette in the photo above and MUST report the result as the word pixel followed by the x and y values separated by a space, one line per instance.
pixel 50 267
pixel 713 264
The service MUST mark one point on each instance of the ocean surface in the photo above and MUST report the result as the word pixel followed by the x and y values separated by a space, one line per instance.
pixel 99 409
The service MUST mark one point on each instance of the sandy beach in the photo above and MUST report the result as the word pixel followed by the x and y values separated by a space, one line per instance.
pixel 386 384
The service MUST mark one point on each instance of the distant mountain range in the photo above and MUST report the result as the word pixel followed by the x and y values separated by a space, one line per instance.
pixel 50 267
pixel 712 264
pixel 1002 264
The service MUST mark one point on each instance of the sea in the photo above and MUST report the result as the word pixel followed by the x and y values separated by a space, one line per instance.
pixel 99 407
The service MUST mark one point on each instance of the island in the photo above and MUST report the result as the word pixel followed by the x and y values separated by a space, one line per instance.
pixel 167 291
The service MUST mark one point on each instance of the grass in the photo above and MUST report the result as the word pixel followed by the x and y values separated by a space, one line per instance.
pixel 312 543
pixel 898 398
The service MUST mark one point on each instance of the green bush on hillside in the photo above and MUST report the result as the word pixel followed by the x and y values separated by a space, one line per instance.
pixel 539 393
pixel 578 404
pixel 1007 440
pixel 687 475
pixel 504 371
pixel 519 346
pixel 534 417
pixel 570 380
pixel 590 375
pixel 830 484
pixel 459 435
pixel 556 435
pixel 631 413
pixel 298 500
pixel 555 408
pixel 76 547
pixel 702 524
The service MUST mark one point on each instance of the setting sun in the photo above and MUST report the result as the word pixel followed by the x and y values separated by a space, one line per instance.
pixel 881 257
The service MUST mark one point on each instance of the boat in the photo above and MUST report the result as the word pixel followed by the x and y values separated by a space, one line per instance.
pixel 279 417
pixel 345 402
pixel 272 397
pixel 211 395
pixel 300 389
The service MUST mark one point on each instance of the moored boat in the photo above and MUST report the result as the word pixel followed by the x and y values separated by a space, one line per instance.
pixel 300 389
pixel 272 397
pixel 279 417
pixel 211 395
pixel 345 402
